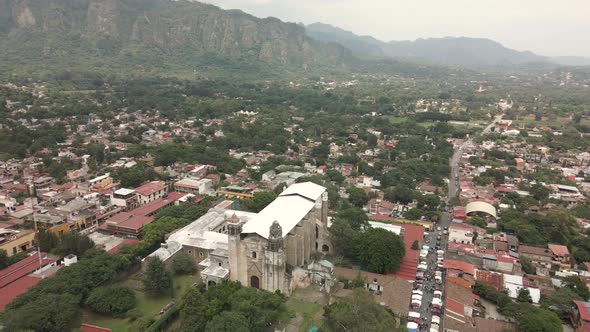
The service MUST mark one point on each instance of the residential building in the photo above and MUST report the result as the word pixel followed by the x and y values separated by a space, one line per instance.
pixel 15 241
pixel 131 223
pixel 125 199
pixel 151 191
pixel 581 316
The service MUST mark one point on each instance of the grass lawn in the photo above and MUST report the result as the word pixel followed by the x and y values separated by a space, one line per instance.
pixel 397 119
pixel 304 309
pixel 149 306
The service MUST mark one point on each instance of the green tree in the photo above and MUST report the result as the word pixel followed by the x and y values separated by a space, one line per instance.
pixel 428 202
pixel 413 214
pixel 193 312
pixel 260 200
pixel 524 296
pixel 527 265
pixel 371 140
pixel 355 217
pixel 358 312
pixel 358 197
pixel 260 307
pixel 415 245
pixel 401 194
pixel 183 264
pixel 540 192
pixel 380 251
pixel 335 176
pixel 228 321
pixel 156 279
pixel 6 261
pixel 562 301
pixel 114 300
pixel 577 285
pixel 50 313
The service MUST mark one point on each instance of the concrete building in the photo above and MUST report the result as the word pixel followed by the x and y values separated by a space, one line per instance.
pixel 151 191
pixel 195 186
pixel 125 198
pixel 15 241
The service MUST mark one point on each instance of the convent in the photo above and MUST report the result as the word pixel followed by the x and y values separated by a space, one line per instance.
pixel 257 249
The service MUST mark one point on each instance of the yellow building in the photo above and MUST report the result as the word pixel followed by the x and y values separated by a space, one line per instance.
pixel 15 241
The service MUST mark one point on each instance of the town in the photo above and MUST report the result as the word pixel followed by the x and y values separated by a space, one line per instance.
pixel 455 214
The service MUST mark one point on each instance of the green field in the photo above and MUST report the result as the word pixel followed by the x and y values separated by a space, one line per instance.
pixel 149 306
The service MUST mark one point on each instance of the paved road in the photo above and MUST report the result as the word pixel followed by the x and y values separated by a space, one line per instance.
pixel 429 284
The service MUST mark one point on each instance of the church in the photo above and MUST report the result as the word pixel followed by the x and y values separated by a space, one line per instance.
pixel 257 249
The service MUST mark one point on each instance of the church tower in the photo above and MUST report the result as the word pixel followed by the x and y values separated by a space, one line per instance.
pixel 274 265
pixel 234 229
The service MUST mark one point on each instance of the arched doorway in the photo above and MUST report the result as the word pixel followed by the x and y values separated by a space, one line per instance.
pixel 325 248
pixel 211 283
pixel 254 282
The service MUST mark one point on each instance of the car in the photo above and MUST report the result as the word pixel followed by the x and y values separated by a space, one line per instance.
pixel 438 228
pixel 446 228
pixel 445 232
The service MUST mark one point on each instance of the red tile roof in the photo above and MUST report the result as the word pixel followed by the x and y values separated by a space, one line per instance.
pixel 455 306
pixel 409 266
pixel 493 279
pixel 22 268
pixel 143 215
pixel 150 188
pixel 16 288
pixel 458 265
pixel 584 308
pixel 558 249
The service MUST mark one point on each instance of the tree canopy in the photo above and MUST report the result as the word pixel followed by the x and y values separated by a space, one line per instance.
pixel 156 279
pixel 358 312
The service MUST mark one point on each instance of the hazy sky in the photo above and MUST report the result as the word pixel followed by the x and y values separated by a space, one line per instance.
pixel 547 27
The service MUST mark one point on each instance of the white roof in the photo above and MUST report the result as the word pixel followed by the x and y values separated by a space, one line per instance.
pixel 436 319
pixel 412 326
pixel 414 314
pixel 481 207
pixel 288 209
pixel 124 191
pixel 99 178
pixel 308 190
pixel 388 227
pixel 513 292
pixel 512 279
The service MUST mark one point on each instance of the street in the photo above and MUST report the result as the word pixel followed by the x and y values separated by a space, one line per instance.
pixel 437 240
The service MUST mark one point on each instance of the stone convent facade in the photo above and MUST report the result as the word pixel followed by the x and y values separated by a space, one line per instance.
pixel 257 249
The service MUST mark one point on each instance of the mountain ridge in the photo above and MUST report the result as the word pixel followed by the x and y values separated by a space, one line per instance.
pixel 464 51
pixel 126 31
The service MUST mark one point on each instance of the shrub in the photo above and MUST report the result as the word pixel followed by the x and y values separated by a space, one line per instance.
pixel 114 300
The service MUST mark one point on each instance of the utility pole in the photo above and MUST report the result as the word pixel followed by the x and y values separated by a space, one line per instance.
pixel 31 189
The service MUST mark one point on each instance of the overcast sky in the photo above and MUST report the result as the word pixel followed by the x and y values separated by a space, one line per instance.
pixel 547 27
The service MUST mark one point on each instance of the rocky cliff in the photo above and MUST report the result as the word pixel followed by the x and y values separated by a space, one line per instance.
pixel 58 28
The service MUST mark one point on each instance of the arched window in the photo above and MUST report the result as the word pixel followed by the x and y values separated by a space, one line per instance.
pixel 254 282
pixel 325 248
pixel 254 254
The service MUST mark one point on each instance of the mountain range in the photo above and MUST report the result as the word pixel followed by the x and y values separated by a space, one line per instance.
pixel 183 38
pixel 160 33
pixel 447 51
